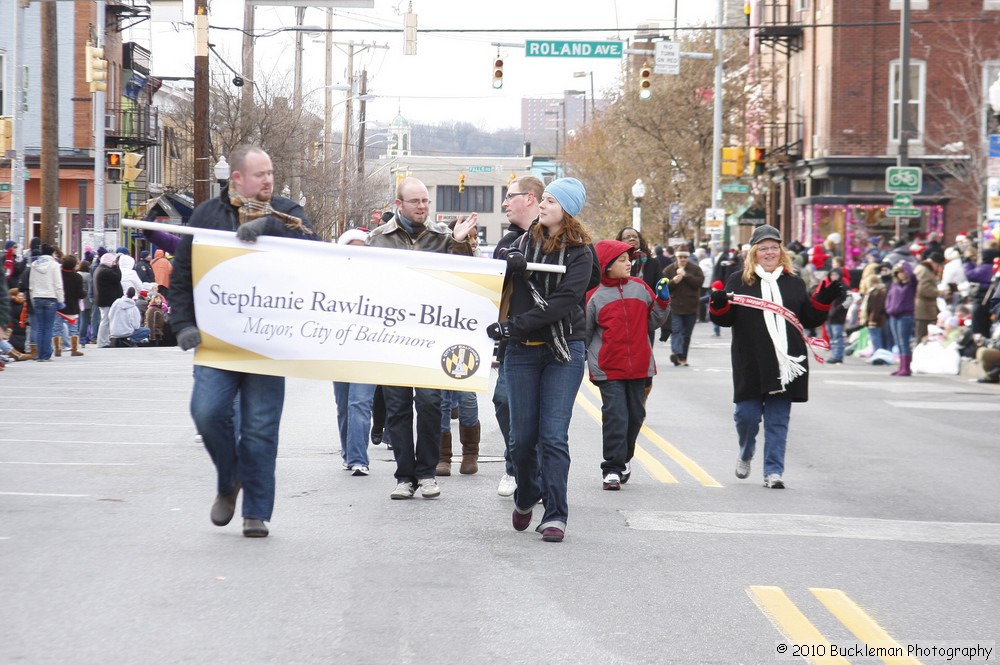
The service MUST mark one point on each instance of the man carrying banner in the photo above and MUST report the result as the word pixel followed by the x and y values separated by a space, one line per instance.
pixel 246 206
pixel 410 228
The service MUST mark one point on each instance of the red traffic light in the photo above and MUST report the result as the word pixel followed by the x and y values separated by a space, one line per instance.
pixel 114 159
pixel 645 81
pixel 498 73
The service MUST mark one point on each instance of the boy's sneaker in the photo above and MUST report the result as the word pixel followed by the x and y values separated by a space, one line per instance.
pixel 742 467
pixel 628 472
pixel 507 485
pixel 774 481
pixel 403 490
pixel 359 470
pixel 344 465
pixel 612 482
pixel 429 488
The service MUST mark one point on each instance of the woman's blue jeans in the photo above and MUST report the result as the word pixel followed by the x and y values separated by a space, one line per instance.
pixel 775 410
pixel 468 408
pixel 836 332
pixel 542 391
pixel 251 458
pixel 902 331
pixel 42 319
pixel 354 418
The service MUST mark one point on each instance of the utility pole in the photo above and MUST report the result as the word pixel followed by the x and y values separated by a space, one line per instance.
pixel 720 17
pixel 328 92
pixel 50 122
pixel 97 110
pixel 246 94
pixel 903 157
pixel 345 141
pixel 362 91
pixel 202 137
pixel 296 179
pixel 20 98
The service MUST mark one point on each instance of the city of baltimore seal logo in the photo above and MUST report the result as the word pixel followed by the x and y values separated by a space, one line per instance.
pixel 460 361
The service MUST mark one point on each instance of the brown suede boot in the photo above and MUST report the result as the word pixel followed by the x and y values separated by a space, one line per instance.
pixel 74 346
pixel 32 352
pixel 444 462
pixel 469 436
pixel 17 355
pixel 57 346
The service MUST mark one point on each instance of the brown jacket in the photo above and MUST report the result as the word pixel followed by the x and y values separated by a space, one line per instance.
pixel 685 295
pixel 926 308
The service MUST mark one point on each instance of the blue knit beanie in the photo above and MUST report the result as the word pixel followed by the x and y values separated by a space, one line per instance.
pixel 570 194
pixel 9 244
pixel 122 250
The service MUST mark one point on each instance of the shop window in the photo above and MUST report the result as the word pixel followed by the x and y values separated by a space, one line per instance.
pixel 915 108
pixel 473 199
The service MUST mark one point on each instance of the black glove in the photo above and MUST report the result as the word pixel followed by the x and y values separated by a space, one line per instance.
pixel 516 263
pixel 251 230
pixel 499 330
pixel 718 298
pixel 188 338
pixel 829 290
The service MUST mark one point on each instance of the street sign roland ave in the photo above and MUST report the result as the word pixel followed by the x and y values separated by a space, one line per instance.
pixel 903 212
pixel 904 179
pixel 559 49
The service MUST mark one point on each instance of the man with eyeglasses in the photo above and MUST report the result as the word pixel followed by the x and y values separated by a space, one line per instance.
pixel 521 207
pixel 410 227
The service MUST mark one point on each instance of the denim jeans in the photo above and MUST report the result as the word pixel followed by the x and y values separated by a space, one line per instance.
pixel 139 334
pixel 681 329
pixel 418 460
pixel 775 410
pixel 623 410
pixel 62 328
pixel 875 336
pixel 354 418
pixel 541 392
pixel 902 331
pixel 501 407
pixel 836 333
pixel 250 457
pixel 467 404
pixel 42 319
pixel 84 323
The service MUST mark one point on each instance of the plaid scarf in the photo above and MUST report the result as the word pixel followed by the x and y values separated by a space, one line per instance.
pixel 251 209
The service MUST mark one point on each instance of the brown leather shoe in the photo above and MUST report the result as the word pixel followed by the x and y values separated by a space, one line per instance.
pixel 254 528
pixel 225 506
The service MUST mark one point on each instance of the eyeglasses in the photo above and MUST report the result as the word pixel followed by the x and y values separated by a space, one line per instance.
pixel 414 202
pixel 511 195
pixel 769 248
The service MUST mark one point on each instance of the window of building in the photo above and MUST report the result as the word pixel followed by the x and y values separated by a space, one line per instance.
pixel 991 73
pixel 915 110
pixel 914 4
pixel 473 199
pixel 3 88
pixel 991 5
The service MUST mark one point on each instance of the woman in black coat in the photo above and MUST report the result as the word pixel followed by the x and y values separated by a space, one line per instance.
pixel 769 354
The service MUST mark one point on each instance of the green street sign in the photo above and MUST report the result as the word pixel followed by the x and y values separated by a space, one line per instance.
pixel 480 169
pixel 904 179
pixel 902 201
pixel 903 212
pixel 4 186
pixel 735 188
pixel 561 49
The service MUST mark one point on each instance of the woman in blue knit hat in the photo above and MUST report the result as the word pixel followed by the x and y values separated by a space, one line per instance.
pixel 544 362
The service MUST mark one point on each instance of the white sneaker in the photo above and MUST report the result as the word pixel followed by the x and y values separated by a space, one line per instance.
pixel 774 481
pixel 359 470
pixel 507 485
pixel 612 482
pixel 628 472
pixel 344 465
pixel 198 439
pixel 742 468
pixel 403 490
pixel 429 488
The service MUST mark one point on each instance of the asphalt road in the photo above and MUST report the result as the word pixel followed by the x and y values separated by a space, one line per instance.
pixel 887 535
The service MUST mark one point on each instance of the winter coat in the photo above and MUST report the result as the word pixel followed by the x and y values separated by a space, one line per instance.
pixel 154 321
pixel 926 308
pixel 900 298
pixel 74 292
pixel 161 269
pixel 952 273
pixel 107 285
pixel 874 307
pixel 124 317
pixel 130 278
pixel 755 366
pixel 685 295
pixel 221 215
pixel 46 279
pixel 145 271
pixel 620 315
pixel 431 237
pixel 88 291
pixel 646 268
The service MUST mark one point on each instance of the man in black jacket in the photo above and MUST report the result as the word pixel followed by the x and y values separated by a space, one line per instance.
pixel 247 207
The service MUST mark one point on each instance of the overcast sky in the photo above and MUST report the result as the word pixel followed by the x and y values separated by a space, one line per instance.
pixel 450 78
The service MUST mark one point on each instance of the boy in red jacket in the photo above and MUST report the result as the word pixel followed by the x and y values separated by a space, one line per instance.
pixel 621 312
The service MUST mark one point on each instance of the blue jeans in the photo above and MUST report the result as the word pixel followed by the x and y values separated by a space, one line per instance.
pixel 354 418
pixel 623 410
pixel 875 335
pixel 42 319
pixel 84 323
pixel 62 328
pixel 418 460
pixel 775 410
pixel 681 329
pixel 501 407
pixel 836 333
pixel 902 331
pixel 250 457
pixel 468 408
pixel 541 392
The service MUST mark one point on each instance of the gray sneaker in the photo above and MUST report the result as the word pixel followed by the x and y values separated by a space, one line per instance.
pixel 774 481
pixel 742 468
pixel 403 490
pixel 429 488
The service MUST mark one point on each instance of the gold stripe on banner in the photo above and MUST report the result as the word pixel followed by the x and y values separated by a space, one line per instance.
pixel 205 258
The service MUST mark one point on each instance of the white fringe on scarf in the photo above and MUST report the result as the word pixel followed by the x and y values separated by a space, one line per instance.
pixel 789 367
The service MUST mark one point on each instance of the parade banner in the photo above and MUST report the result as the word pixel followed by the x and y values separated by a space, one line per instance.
pixel 345 313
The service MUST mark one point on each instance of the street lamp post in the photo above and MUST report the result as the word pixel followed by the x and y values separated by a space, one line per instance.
pixel 593 111
pixel 994 96
pixel 638 192
pixel 221 170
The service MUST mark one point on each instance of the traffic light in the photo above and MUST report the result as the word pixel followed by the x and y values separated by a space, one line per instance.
pixel 498 73
pixel 6 136
pixel 131 170
pixel 645 82
pixel 461 183
pixel 732 161
pixel 758 162
pixel 113 163
pixel 96 68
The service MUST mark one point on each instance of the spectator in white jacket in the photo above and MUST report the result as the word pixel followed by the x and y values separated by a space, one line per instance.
pixel 46 288
pixel 130 278
pixel 126 323
pixel 952 277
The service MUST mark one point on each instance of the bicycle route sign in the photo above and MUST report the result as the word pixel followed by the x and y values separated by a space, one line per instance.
pixel 904 179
